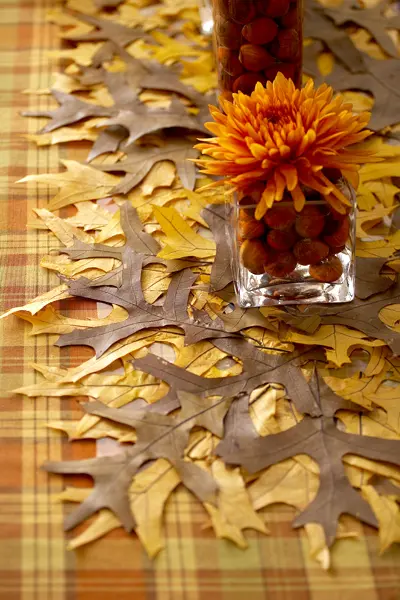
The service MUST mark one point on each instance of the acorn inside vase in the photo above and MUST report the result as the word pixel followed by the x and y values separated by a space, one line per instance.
pixel 291 257
pixel 255 40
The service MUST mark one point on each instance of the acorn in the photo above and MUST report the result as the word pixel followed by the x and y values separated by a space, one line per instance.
pixel 273 8
pixel 229 60
pixel 254 256
pixel 310 222
pixel 340 233
pixel 249 227
pixel 281 240
pixel 260 31
pixel 328 271
pixel 255 58
pixel 247 82
pixel 286 45
pixel 229 34
pixel 291 19
pixel 280 217
pixel 281 265
pixel 287 69
pixel 310 252
pixel 241 11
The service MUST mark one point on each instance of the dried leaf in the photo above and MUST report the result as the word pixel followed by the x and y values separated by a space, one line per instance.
pixel 49 320
pixel 259 369
pixel 140 120
pixel 319 27
pixel 77 184
pixel 321 440
pixel 339 338
pixel 34 306
pixel 106 30
pixel 217 217
pixel 71 110
pixel 148 495
pixel 140 161
pixel 379 80
pixel 387 512
pixel 158 437
pixel 181 240
pixel 368 278
pixel 372 19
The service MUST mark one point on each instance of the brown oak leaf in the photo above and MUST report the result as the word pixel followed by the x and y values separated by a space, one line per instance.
pixel 318 26
pixel 319 438
pixel 368 278
pixel 259 369
pixel 362 315
pixel 107 30
pixel 71 110
pixel 217 217
pixel 158 436
pixel 141 159
pixel 379 79
pixel 140 119
pixel 372 19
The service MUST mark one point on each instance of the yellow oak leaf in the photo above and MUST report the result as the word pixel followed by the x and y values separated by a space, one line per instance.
pixel 155 282
pixel 374 424
pixel 199 358
pixel 84 131
pixel 129 347
pixel 171 50
pixel 77 184
pixel 387 511
pixel 379 248
pixel 63 230
pixel 357 389
pixel 160 197
pixel 263 406
pixel 181 240
pixel 89 216
pixel 82 54
pixel 34 306
pixel 102 429
pixel 88 7
pixel 390 315
pixel 91 268
pixel 50 320
pixel 377 359
pixel 388 398
pixel 198 202
pixel 365 220
pixel 148 494
pixel 337 339
pixel 162 174
pixel 233 499
pixel 383 190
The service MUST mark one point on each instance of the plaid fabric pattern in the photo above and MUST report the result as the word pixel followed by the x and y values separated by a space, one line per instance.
pixel 34 561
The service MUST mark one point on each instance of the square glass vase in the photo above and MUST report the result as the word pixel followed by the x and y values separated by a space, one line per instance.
pixel 293 258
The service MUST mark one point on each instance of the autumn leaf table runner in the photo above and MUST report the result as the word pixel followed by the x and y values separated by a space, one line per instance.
pixel 229 451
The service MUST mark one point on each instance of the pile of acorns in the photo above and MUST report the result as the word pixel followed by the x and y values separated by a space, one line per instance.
pixel 255 40
pixel 284 239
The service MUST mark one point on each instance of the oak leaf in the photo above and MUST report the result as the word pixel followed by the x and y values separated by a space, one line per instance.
pixel 259 369
pixel 71 110
pixel 140 120
pixel 79 183
pixel 140 160
pixel 319 438
pixel 148 495
pixel 181 240
pixel 158 437
pixel 318 26
pixel 372 19
pixel 379 79
pixel 106 30
pixel 387 512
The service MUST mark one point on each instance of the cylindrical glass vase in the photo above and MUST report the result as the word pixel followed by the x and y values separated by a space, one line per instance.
pixel 256 39
pixel 292 257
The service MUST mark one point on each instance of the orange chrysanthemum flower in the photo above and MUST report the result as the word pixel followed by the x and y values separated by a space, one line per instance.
pixel 286 137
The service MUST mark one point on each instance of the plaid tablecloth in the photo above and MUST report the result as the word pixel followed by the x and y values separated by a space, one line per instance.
pixel 34 562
